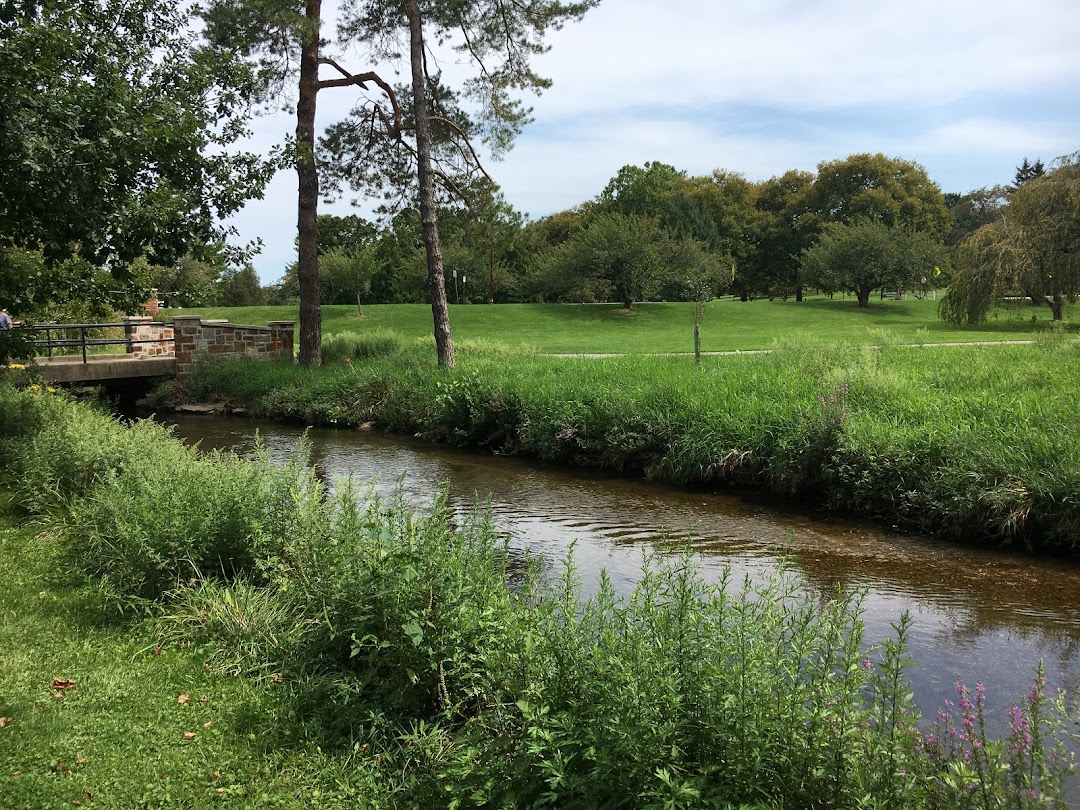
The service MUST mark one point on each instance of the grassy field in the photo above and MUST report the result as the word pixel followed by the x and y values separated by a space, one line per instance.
pixel 668 327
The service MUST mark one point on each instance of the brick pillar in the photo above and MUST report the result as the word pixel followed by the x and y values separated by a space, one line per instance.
pixel 151 306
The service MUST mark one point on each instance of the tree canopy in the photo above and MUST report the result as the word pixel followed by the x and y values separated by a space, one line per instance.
pixel 617 257
pixel 895 192
pixel 116 131
pixel 1032 249
pixel 863 257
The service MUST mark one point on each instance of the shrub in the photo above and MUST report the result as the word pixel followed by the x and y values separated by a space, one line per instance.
pixel 169 517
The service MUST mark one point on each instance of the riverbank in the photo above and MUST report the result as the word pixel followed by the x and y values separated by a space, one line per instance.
pixel 975 443
pixel 393 659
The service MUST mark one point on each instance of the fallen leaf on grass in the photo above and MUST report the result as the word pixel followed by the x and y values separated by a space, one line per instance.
pixel 189 735
pixel 62 683
pixel 207 724
pixel 184 699
pixel 204 699
pixel 6 721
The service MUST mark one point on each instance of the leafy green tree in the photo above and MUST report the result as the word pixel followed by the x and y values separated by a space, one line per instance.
pixel 1032 249
pixel 617 257
pixel 349 233
pixel 401 266
pixel 863 257
pixel 687 217
pixel 240 287
pixel 874 188
pixel 117 132
pixel 971 211
pixel 71 290
pixel 642 191
pixel 347 275
pixel 788 229
pixel 730 200
pixel 482 243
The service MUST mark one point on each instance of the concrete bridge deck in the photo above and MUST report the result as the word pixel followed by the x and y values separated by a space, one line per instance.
pixel 104 368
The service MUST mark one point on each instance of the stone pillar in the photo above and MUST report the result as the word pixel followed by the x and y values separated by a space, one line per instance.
pixel 133 331
pixel 281 338
pixel 187 331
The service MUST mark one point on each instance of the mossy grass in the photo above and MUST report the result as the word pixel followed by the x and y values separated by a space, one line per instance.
pixel 728 324
pixel 382 657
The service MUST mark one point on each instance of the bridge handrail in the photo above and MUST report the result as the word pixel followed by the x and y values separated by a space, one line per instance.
pixel 83 341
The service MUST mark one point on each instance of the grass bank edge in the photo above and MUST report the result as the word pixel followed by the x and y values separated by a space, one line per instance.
pixel 976 444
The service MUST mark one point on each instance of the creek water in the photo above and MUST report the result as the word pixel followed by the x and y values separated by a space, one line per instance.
pixel 979 615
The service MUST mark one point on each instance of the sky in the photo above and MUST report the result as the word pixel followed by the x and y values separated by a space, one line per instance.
pixel 966 88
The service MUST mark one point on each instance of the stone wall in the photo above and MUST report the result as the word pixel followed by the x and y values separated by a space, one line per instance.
pixel 195 338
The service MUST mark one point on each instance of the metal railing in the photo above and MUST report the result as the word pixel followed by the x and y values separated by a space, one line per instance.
pixel 84 339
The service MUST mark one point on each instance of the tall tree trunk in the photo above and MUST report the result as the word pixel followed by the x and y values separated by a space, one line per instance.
pixel 697 344
pixel 308 195
pixel 1057 306
pixel 798 294
pixel 444 339
pixel 864 297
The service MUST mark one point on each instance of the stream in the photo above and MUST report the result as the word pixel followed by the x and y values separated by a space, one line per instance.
pixel 979 614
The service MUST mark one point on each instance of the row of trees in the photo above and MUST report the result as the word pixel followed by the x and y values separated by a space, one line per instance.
pixel 656 232
pixel 856 225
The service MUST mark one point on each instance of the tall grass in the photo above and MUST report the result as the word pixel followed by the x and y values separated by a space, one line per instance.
pixel 972 443
pixel 481 683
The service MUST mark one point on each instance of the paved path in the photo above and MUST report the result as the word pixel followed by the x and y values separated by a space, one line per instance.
pixel 733 352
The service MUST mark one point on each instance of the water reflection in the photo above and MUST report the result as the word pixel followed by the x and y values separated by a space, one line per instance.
pixel 979 614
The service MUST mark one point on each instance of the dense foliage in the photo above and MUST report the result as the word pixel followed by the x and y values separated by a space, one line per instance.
pixel 117 131
pixel 1031 250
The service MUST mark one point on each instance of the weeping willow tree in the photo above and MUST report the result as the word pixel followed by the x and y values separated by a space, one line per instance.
pixel 1033 250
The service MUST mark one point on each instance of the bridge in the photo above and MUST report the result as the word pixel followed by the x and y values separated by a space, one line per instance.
pixel 140 347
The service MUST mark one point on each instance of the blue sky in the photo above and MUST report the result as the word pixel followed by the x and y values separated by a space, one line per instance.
pixel 967 88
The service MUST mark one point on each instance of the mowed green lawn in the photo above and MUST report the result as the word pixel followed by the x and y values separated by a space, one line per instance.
pixel 729 324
